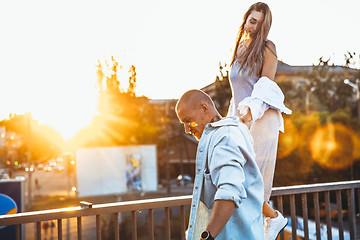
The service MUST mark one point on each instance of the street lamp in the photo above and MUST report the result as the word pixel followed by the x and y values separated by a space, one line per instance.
pixel 356 87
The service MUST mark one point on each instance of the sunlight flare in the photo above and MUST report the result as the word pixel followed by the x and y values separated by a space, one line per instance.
pixel 333 146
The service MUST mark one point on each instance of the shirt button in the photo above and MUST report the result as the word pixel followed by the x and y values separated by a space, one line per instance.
pixel 198 169
pixel 196 187
pixel 201 150
pixel 193 205
pixel 190 226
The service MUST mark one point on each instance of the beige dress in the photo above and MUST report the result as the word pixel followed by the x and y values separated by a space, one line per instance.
pixel 265 131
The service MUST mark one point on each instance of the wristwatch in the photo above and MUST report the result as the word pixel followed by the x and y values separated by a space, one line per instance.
pixel 205 235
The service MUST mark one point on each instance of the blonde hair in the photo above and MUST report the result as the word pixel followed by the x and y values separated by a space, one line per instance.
pixel 253 56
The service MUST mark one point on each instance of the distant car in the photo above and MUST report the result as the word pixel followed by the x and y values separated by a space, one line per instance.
pixel 40 166
pixel 183 180
pixel 59 168
pixel 4 174
pixel 29 169
pixel 48 169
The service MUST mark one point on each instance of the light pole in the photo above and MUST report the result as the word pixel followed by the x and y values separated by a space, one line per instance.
pixel 29 161
pixel 357 88
pixel 307 101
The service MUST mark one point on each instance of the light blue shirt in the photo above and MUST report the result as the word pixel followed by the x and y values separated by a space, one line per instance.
pixel 226 170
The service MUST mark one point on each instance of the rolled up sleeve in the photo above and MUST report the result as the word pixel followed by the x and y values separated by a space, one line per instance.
pixel 227 173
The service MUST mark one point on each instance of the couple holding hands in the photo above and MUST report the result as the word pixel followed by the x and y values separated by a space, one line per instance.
pixel 236 154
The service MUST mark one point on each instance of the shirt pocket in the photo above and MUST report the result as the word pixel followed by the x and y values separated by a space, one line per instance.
pixel 209 191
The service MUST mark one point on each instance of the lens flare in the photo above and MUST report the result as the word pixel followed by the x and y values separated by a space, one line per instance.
pixel 289 140
pixel 308 128
pixel 193 124
pixel 334 146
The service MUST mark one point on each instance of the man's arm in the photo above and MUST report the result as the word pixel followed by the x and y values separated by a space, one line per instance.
pixel 222 211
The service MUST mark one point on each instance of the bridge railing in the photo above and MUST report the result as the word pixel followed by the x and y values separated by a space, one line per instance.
pixel 343 193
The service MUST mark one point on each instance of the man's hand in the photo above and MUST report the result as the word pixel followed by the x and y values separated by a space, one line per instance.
pixel 222 211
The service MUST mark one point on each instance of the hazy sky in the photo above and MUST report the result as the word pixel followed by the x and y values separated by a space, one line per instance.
pixel 49 49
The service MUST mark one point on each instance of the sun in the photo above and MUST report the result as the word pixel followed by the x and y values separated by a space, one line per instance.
pixel 68 122
pixel 67 109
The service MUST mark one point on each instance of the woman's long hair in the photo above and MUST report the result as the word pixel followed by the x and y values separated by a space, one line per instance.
pixel 253 56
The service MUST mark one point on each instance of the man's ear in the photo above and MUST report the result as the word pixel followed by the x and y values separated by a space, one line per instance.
pixel 204 107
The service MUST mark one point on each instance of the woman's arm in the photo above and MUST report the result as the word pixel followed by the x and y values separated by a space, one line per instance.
pixel 270 61
pixel 268 70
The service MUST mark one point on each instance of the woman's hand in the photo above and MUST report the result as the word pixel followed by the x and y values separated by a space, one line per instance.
pixel 245 115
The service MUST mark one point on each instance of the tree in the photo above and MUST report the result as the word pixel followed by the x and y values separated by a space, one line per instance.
pixel 123 117
pixel 42 141
pixel 132 81
pixel 220 90
pixel 324 143
pixel 328 82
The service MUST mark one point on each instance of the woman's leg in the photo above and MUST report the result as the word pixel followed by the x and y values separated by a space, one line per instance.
pixel 265 132
pixel 268 211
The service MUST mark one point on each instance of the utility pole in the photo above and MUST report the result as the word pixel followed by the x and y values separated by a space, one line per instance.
pixel 168 187
pixel 357 88
pixel 29 161
pixel 307 100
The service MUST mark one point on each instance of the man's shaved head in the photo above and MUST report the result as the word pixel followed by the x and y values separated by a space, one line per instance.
pixel 193 98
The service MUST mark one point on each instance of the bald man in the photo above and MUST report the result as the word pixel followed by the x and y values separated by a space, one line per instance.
pixel 228 190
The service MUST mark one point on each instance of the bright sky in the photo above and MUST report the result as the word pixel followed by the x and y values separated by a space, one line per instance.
pixel 49 49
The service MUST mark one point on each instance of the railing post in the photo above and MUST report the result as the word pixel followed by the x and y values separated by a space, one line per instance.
pixel 182 222
pixel 98 227
pixel 280 208
pixel 17 231
pixel 328 214
pixel 293 216
pixel 358 191
pixel 38 230
pixel 151 224
pixel 317 215
pixel 59 226
pixel 339 214
pixel 134 226
pixel 305 215
pixel 351 212
pixel 116 225
pixel 167 223
pixel 79 228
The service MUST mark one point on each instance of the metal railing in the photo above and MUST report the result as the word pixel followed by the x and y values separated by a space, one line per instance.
pixel 325 190
pixel 281 195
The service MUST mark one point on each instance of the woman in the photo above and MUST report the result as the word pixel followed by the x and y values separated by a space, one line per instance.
pixel 258 101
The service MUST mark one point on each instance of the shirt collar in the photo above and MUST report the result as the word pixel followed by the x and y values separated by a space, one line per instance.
pixel 227 121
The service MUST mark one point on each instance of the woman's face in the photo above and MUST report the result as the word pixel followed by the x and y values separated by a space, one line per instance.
pixel 253 21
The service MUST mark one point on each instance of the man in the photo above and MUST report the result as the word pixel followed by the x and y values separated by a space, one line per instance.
pixel 228 190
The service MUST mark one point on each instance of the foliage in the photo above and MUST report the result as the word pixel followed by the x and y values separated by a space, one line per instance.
pixel 123 117
pixel 322 87
pixel 316 146
pixel 42 141
pixel 323 144
pixel 222 90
